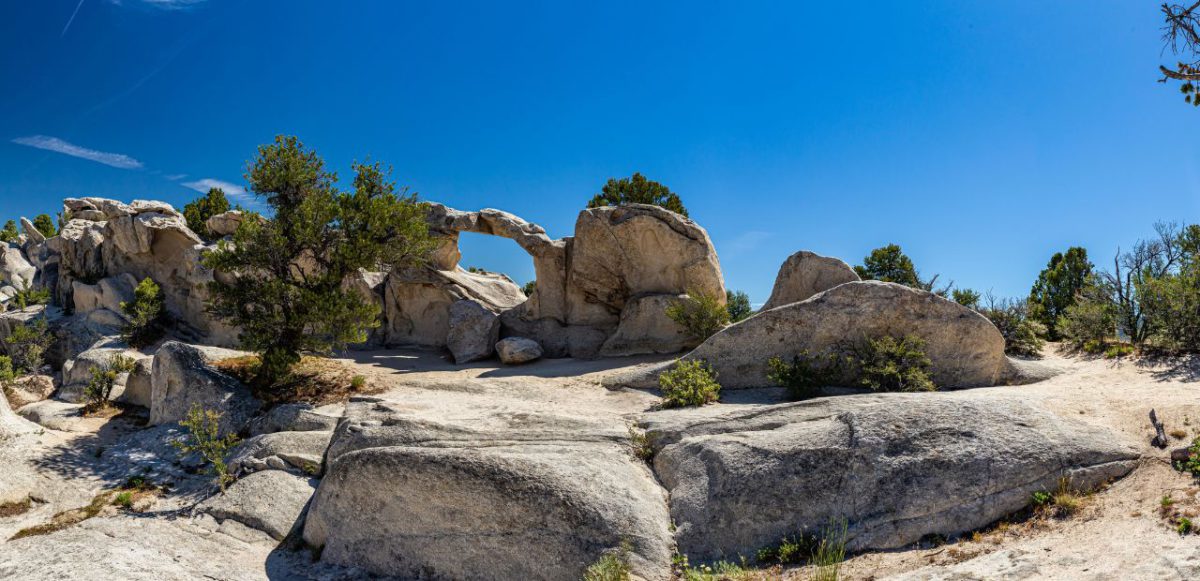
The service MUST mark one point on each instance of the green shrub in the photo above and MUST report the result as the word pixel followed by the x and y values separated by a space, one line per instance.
pixel 99 389
pixel 806 374
pixel 689 383
pixel 738 305
pixel 1087 321
pixel 7 373
pixel 529 287
pixel 358 382
pixel 612 566
pixel 640 445
pixel 966 297
pixel 1192 464
pixel 145 314
pixel 204 438
pixel 27 344
pixel 1041 498
pixel 700 314
pixel 637 190
pixel 1022 335
pixel 891 364
pixel 1118 350
pixel 124 499
pixel 720 571
pixel 28 296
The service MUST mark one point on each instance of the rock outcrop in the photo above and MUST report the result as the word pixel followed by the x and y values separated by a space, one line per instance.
pixel 805 274
pixel 182 376
pixel 477 495
pixel 965 349
pixel 620 257
pixel 895 466
pixel 143 239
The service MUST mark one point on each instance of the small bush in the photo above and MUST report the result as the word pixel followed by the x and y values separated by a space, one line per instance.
pixel 7 374
pixel 719 571
pixel 700 314
pixel 1118 350
pixel 104 378
pixel 124 499
pixel 610 567
pixel 1185 526
pixel 639 444
pixel 1192 464
pixel 806 374
pixel 27 345
pixel 1061 503
pixel 1023 335
pixel 204 438
pixel 145 314
pixel 27 297
pixel 358 382
pixel 891 364
pixel 689 383
pixel 1087 323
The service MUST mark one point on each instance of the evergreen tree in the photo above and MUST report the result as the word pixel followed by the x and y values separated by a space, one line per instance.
pixel 45 224
pixel 198 211
pixel 637 190
pixel 1057 286
pixel 287 296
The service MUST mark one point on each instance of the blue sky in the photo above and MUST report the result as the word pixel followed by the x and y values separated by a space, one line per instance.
pixel 980 136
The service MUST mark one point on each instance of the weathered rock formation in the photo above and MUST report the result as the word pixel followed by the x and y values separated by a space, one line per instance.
pixel 805 274
pixel 965 349
pixel 106 238
pixel 620 257
pixel 895 466
pixel 474 495
pixel 518 350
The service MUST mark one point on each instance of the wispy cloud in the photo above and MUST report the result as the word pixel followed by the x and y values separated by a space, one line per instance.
pixel 162 4
pixel 747 241
pixel 59 146
pixel 175 176
pixel 71 19
pixel 238 193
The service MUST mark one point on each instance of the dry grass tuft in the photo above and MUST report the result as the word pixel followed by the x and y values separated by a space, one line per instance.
pixel 315 380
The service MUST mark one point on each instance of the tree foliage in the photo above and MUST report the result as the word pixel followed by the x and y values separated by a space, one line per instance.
pixel 27 344
pixel 1057 286
pixel 890 264
pixel 198 211
pixel 700 314
pixel 9 233
pixel 637 190
pixel 45 224
pixel 145 313
pixel 1181 35
pixel 288 296
pixel 738 305
pixel 204 438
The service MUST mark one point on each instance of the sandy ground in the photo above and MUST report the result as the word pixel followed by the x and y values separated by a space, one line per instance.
pixel 1119 533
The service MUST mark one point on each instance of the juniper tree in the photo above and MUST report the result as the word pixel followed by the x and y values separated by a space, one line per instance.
pixel 287 296
pixel 637 190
